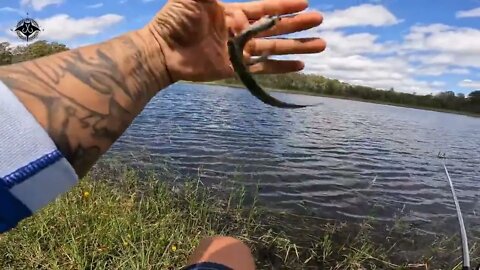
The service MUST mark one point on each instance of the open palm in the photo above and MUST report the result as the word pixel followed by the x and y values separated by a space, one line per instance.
pixel 194 36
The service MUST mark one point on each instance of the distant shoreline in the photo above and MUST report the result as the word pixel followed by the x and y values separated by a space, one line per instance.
pixel 340 97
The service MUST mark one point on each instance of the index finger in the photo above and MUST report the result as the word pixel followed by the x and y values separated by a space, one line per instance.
pixel 257 9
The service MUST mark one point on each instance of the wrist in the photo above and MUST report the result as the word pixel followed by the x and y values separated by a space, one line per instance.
pixel 152 56
pixel 164 37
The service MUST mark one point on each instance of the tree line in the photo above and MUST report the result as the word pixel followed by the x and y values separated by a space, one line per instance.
pixel 15 54
pixel 320 85
pixel 294 81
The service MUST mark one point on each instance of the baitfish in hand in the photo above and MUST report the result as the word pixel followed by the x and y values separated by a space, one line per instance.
pixel 235 50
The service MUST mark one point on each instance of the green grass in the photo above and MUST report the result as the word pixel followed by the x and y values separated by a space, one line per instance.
pixel 120 218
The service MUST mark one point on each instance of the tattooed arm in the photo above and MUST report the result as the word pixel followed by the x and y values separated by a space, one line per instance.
pixel 60 113
pixel 86 98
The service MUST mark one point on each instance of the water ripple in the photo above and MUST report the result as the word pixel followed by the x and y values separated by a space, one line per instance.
pixel 323 159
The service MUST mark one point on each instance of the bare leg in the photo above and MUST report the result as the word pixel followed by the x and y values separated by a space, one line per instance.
pixel 228 251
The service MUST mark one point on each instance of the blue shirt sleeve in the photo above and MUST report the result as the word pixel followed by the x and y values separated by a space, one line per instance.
pixel 33 172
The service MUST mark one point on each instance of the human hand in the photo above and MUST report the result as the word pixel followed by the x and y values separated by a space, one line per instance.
pixel 193 36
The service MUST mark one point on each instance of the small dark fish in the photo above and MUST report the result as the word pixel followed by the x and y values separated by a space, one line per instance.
pixel 235 49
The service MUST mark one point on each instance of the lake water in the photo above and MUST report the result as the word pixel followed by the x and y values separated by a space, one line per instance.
pixel 340 160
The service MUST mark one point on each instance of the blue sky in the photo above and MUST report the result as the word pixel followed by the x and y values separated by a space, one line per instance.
pixel 421 46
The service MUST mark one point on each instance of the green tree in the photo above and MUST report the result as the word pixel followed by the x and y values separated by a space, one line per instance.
pixel 474 96
pixel 474 99
pixel 5 53
pixel 43 48
pixel 31 51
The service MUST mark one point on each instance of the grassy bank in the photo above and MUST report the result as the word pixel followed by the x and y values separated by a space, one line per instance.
pixel 120 218
pixel 309 93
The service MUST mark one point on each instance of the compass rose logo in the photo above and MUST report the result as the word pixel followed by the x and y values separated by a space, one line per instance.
pixel 27 29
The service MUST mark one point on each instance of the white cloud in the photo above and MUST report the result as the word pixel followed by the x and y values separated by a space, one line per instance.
pixel 363 58
pixel 439 44
pixel 438 70
pixel 454 60
pixel 470 84
pixel 468 13
pixel 438 83
pixel 358 43
pixel 431 58
pixel 444 38
pixel 460 71
pixel 362 15
pixel 40 4
pixel 14 10
pixel 13 42
pixel 62 27
pixel 434 70
pixel 97 5
pixel 8 9
pixel 378 73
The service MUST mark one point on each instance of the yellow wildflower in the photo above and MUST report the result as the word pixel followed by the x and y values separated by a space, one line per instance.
pixel 174 248
pixel 86 194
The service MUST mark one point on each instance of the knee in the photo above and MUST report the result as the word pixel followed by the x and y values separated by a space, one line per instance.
pixel 225 250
